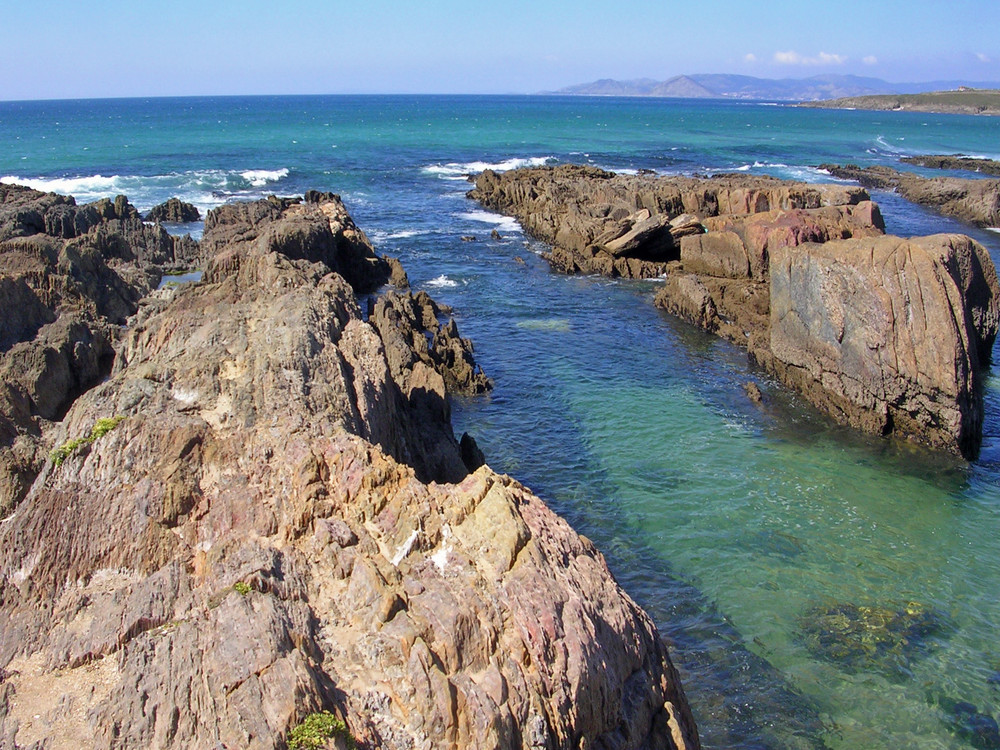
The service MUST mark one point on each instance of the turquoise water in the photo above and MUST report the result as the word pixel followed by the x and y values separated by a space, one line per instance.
pixel 729 521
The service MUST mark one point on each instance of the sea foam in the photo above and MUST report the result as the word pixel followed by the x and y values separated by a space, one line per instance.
pixel 460 170
pixel 441 282
pixel 206 189
pixel 504 223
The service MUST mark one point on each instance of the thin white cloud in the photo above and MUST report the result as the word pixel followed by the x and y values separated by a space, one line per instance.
pixel 982 58
pixel 794 58
pixel 870 60
pixel 750 57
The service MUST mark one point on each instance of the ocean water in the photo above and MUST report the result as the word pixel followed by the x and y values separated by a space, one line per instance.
pixel 736 525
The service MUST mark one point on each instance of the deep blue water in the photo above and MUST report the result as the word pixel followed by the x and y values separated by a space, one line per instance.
pixel 729 521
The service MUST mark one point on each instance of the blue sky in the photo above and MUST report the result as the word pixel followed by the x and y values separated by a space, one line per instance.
pixel 58 49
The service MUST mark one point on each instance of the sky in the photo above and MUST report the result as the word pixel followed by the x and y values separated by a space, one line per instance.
pixel 51 49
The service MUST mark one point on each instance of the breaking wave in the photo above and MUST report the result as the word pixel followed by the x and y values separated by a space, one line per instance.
pixel 460 170
pixel 206 189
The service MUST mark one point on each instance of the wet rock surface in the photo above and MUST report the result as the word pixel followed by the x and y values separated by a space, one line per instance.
pixel 887 335
pixel 253 519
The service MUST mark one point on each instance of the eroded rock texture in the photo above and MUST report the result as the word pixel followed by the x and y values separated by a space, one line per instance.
pixel 276 525
pixel 886 335
pixel 70 276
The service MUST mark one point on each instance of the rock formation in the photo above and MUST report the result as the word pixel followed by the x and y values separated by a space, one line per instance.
pixel 956 162
pixel 70 276
pixel 886 335
pixel 976 201
pixel 262 514
pixel 632 226
pixel 174 210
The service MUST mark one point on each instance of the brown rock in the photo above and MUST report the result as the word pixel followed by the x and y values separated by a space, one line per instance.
pixel 889 332
pixel 174 210
pixel 319 231
pixel 973 200
pixel 242 550
pixel 732 228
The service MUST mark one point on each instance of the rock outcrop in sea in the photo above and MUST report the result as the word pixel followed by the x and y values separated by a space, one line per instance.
pixel 256 510
pixel 887 335
pixel 174 210
pixel 976 201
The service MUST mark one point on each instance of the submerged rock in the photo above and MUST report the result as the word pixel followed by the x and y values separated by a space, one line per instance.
pixel 871 638
pixel 970 724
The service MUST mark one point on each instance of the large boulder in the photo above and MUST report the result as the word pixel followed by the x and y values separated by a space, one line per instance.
pixel 892 333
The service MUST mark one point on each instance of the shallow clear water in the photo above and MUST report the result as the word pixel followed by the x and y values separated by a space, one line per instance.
pixel 729 521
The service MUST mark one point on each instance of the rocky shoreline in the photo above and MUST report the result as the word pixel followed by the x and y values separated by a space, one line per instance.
pixel 890 336
pixel 976 201
pixel 232 505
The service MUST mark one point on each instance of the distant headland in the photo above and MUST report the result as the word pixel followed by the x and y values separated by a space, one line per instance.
pixel 812 89
pixel 963 101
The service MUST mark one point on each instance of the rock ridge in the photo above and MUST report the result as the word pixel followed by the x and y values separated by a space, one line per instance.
pixel 976 201
pixel 890 336
pixel 272 517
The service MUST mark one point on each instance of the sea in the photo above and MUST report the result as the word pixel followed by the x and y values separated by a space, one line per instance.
pixel 818 588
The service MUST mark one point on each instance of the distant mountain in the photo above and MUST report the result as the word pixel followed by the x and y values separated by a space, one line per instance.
pixel 721 86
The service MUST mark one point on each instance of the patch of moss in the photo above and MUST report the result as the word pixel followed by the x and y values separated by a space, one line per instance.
pixel 242 588
pixel 316 729
pixel 101 428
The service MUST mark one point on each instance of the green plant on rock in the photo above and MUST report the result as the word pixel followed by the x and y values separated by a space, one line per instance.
pixel 101 428
pixel 316 729
pixel 242 588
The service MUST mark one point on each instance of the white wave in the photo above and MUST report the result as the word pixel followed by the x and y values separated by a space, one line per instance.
pixel 381 235
pixel 206 189
pixel 442 281
pixel 261 177
pixel 68 185
pixel 506 223
pixel 459 170
pixel 993 229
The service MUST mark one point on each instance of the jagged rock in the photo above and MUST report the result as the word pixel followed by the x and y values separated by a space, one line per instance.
pixel 320 230
pixel 631 226
pixel 973 200
pixel 411 329
pixel 397 274
pixel 717 241
pixel 256 539
pixel 174 210
pixel 65 295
